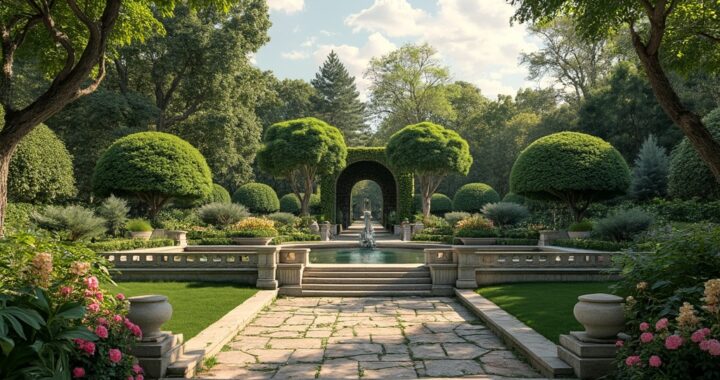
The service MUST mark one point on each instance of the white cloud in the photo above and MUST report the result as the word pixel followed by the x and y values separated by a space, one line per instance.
pixel 327 33
pixel 356 58
pixel 286 6
pixel 473 37
pixel 294 55
pixel 309 42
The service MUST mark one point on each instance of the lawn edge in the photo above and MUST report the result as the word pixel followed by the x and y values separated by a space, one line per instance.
pixel 540 351
pixel 208 342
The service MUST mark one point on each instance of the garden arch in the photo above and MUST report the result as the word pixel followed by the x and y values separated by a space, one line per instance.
pixel 366 164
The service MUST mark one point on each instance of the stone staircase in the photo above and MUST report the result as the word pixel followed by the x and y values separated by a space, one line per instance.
pixel 366 281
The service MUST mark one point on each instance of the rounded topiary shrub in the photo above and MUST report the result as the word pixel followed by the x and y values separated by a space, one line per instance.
pixel 155 167
pixel 218 195
pixel 259 198
pixel 472 197
pixel 440 204
pixel 290 203
pixel 41 170
pixel 689 176
pixel 570 167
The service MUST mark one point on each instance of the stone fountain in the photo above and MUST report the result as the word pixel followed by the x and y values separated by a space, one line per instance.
pixel 367 235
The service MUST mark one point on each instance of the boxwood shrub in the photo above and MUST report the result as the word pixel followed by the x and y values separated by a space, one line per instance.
pixel 598 245
pixel 290 203
pixel 126 244
pixel 259 198
pixel 472 197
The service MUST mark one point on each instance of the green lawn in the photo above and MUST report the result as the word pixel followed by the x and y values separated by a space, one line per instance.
pixel 546 307
pixel 196 305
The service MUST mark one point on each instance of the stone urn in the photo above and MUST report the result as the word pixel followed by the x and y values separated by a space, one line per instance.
pixel 150 313
pixel 602 315
pixel 142 235
pixel 578 234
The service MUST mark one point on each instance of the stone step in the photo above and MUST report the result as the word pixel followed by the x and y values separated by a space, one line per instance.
pixel 185 367
pixel 367 268
pixel 365 280
pixel 366 293
pixel 366 275
pixel 372 287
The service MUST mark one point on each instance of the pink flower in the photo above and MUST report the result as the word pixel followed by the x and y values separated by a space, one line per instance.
pixel 673 342
pixel 89 293
pixel 699 335
pixel 93 307
pixel 78 372
pixel 661 324
pixel 101 331
pixel 139 377
pixel 117 318
pixel 92 283
pixel 115 355
pixel 135 330
pixel 714 347
pixel 644 326
pixel 646 337
pixel 89 348
pixel 137 369
pixel 102 321
pixel 632 360
pixel 99 296
pixel 120 297
pixel 655 361
pixel 705 345
pixel 619 343
pixel 65 291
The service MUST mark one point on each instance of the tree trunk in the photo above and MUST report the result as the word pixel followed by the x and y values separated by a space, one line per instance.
pixel 6 152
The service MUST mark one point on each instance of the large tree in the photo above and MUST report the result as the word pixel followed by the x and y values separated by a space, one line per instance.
pixel 337 100
pixel 67 42
pixel 683 34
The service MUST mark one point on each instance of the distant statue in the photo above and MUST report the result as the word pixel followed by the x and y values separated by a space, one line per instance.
pixel 366 205
pixel 367 235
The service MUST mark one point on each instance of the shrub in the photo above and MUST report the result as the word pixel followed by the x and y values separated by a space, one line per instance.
pixel 71 223
pixel 689 176
pixel 41 169
pixel 440 204
pixel 454 217
pixel 155 167
pixel 597 245
pixel 581 226
pixel 253 227
pixel 690 210
pixel 284 218
pixel 475 226
pixel 290 203
pixel 114 210
pixel 514 198
pixel 222 214
pixel 505 214
pixel 295 236
pixel 650 173
pixel 472 197
pixel 434 221
pixel 519 233
pixel 218 195
pixel 259 198
pixel 17 217
pixel 570 167
pixel 623 225
pixel 126 244
pixel 138 225
pixel 177 219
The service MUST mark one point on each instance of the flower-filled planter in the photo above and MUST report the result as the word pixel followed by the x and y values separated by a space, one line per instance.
pixel 139 229
pixel 476 230
pixel 580 230
pixel 253 231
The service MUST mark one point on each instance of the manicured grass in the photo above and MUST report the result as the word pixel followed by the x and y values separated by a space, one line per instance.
pixel 546 307
pixel 195 305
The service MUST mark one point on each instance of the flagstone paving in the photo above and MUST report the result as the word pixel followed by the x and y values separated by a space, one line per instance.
pixel 368 338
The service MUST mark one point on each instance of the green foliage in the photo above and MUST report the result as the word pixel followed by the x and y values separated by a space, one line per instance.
pixel 253 233
pixel 127 244
pixel 177 219
pixel 259 198
pixel 370 190
pixel 114 210
pixel 597 245
pixel 504 214
pixel 475 226
pixel 514 198
pixel 650 174
pixel 41 169
pixel 442 238
pixel 691 210
pixel 284 219
pixel 581 226
pixel 218 195
pixel 17 217
pixel 623 225
pixel 689 176
pixel 571 167
pixel 222 214
pixel 290 203
pixel 153 166
pixel 472 197
pixel 295 236
pixel 453 217
pixel 138 225
pixel 71 223
pixel 439 204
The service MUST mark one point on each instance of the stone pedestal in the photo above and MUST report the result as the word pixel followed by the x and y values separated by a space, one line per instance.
pixel 590 358
pixel 325 232
pixel 406 232
pixel 155 354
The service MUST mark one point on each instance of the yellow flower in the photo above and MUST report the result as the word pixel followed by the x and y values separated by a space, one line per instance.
pixel 253 223
pixel 687 317
pixel 712 296
pixel 641 286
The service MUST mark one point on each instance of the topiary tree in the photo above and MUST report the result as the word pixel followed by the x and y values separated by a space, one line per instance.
pixel 41 169
pixel 571 167
pixel 300 151
pixel 650 174
pixel 218 194
pixel 689 176
pixel 259 198
pixel 155 167
pixel 471 197
pixel 290 203
pixel 431 152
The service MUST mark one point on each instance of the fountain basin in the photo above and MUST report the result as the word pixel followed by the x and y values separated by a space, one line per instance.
pixel 367 256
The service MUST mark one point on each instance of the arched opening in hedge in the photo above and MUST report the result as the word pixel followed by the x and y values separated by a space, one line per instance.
pixel 365 170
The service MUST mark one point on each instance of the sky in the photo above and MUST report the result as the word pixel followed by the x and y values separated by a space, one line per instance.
pixel 473 38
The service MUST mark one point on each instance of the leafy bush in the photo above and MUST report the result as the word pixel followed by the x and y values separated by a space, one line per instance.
pixel 422 236
pixel 253 233
pixel 70 223
pixel 570 167
pixel 480 233
pixel 505 213
pixel 650 174
pixel 222 214
pixel 284 218
pixel 597 245
pixel 155 167
pixel 138 225
pixel 177 219
pixel 126 244
pixel 472 197
pixel 519 233
pixel 433 221
pixel 41 170
pixel 212 241
pixel 218 195
pixel 515 241
pixel 290 203
pixel 514 198
pixel 114 210
pixel 17 217
pixel 581 226
pixel 689 210
pixel 623 225
pixel 253 227
pixel 454 217
pixel 475 226
pixel 689 176
pixel 440 204
pixel 295 236
pixel 259 198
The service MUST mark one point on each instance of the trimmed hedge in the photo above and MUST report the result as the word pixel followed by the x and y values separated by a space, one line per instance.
pixel 218 195
pixel 290 203
pixel 440 204
pixel 472 197
pixel 598 245
pixel 259 198
pixel 127 244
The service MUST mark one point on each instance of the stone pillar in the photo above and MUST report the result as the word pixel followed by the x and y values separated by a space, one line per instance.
pixel 406 231
pixel 267 266
pixel 325 231
pixel 466 269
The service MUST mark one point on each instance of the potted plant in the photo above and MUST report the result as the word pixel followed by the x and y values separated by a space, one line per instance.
pixel 139 229
pixel 580 230
pixel 476 230
pixel 253 231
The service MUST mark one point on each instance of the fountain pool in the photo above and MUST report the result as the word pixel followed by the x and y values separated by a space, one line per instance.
pixel 366 256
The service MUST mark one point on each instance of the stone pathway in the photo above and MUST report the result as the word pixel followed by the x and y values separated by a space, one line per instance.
pixel 368 338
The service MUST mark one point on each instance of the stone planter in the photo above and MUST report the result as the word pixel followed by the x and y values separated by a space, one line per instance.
pixel 252 240
pixel 144 235
pixel 150 313
pixel 397 229
pixel 478 241
pixel 601 314
pixel 578 234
